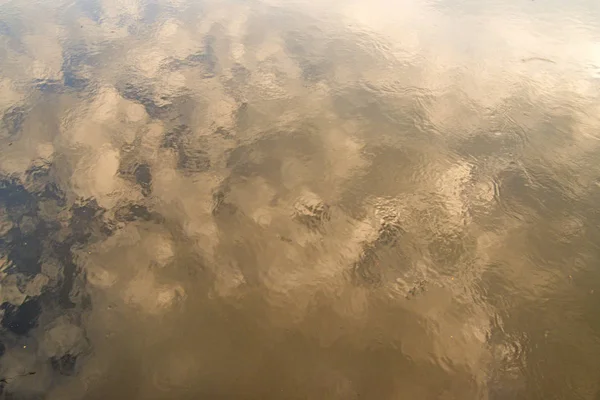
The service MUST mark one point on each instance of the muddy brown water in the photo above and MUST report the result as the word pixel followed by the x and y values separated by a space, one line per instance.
pixel 271 199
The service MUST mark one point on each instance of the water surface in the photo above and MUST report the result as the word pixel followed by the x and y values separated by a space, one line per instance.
pixel 300 200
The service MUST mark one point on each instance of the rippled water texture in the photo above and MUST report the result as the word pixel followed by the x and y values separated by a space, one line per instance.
pixel 265 199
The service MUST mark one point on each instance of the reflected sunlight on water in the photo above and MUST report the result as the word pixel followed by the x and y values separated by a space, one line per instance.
pixel 291 200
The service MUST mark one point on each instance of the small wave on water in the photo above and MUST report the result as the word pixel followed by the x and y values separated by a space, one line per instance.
pixel 291 200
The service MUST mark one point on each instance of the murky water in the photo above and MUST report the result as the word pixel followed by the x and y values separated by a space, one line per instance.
pixel 300 200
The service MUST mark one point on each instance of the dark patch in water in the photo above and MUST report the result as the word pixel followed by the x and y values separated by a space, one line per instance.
pixel 52 192
pixel 86 220
pixel 220 205
pixel 23 244
pixel 313 72
pixel 312 215
pixel 86 223
pixel 205 60
pixel 21 319
pixel 174 137
pixel 13 120
pixel 135 212
pixel 92 9
pixel 192 160
pixel 222 132
pixel 49 85
pixel 241 75
pixel 4 29
pixel 419 288
pixel 389 234
pixel 151 12
pixel 64 365
pixel 25 252
pixel 242 119
pixel 369 268
pixel 73 61
pixel 144 97
pixel 63 252
pixel 143 177
pixel 189 158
